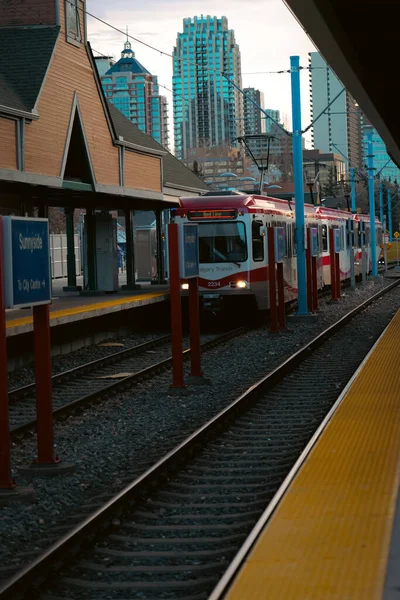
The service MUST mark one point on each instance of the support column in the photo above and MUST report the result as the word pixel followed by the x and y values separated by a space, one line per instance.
pixel 302 307
pixel 71 259
pixel 130 253
pixel 160 254
pixel 91 262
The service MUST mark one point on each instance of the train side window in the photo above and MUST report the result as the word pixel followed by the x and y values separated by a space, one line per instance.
pixel 324 231
pixel 257 240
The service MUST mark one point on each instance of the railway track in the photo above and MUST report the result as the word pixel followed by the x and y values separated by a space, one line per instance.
pixel 174 530
pixel 79 387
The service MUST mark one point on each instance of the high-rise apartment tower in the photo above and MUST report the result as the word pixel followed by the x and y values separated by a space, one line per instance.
pixel 208 110
pixel 338 130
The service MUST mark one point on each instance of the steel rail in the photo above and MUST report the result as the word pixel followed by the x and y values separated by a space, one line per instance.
pixel 93 364
pixel 72 543
pixel 121 385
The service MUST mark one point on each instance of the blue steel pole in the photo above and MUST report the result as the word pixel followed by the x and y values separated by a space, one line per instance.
pixel 381 203
pixel 298 186
pixel 353 190
pixel 389 202
pixel 372 202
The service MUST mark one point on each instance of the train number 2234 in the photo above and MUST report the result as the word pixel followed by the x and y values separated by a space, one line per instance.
pixel 214 284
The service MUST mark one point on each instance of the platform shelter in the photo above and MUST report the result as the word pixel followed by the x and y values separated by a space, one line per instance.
pixel 63 144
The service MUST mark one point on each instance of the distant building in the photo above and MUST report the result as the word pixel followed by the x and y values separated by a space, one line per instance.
pixel 332 172
pixel 208 111
pixel 384 167
pixel 103 64
pixel 253 120
pixel 222 166
pixel 135 92
pixel 339 128
pixel 276 115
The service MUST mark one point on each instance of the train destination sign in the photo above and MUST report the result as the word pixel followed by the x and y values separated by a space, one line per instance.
pixel 27 280
pixel 189 250
pixel 201 215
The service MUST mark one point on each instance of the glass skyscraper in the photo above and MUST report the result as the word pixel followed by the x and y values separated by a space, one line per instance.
pixel 208 111
pixel 135 92
pixel 383 164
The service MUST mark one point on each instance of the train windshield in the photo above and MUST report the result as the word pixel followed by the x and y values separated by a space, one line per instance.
pixel 222 242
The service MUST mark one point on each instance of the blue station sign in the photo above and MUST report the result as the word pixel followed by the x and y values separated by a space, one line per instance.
pixel 314 241
pixel 188 250
pixel 280 244
pixel 27 280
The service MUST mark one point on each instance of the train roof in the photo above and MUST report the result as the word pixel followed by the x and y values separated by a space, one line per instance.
pixel 252 203
pixel 244 203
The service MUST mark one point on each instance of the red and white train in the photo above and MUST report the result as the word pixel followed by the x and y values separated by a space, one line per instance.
pixel 232 248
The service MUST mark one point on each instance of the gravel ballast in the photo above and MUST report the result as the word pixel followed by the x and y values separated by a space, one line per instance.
pixel 117 440
pixel 64 362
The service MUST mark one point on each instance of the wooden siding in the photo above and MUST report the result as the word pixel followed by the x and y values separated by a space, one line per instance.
pixel 27 12
pixel 70 70
pixel 8 145
pixel 142 171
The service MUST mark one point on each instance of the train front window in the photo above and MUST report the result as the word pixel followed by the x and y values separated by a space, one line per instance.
pixel 222 242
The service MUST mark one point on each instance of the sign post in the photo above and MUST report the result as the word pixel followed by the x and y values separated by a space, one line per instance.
pixel 28 284
pixel 176 308
pixel 6 482
pixel 336 233
pixel 351 244
pixel 397 236
pixel 309 272
pixel 272 281
pixel 280 252
pixel 189 270
pixel 333 265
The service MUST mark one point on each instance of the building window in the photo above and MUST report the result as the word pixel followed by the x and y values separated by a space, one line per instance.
pixel 72 21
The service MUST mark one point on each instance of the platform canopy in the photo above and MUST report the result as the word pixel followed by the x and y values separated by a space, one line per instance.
pixel 359 40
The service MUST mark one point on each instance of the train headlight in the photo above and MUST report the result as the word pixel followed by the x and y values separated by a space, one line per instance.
pixel 241 284
pixel 185 286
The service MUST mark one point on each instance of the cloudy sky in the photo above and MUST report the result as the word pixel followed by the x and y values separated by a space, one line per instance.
pixel 265 30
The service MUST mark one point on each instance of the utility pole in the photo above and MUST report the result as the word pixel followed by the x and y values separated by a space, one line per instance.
pixel 381 203
pixel 353 190
pixel 371 196
pixel 389 203
pixel 302 309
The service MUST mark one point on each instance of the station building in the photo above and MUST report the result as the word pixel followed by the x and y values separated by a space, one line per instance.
pixel 64 145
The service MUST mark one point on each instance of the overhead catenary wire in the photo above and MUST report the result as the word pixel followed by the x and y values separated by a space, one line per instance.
pixel 210 70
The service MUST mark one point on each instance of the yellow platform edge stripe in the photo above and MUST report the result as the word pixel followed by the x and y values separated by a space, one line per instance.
pixel 67 312
pixel 329 538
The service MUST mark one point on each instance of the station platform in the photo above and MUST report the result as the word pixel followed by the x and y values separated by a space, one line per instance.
pixel 69 307
pixel 335 533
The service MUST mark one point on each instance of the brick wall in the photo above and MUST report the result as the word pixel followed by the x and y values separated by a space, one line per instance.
pixel 8 146
pixel 27 12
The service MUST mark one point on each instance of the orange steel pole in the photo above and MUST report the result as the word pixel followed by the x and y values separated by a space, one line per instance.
pixel 314 283
pixel 332 264
pixel 281 296
pixel 194 316
pixel 272 281
pixel 309 271
pixel 44 390
pixel 337 269
pixel 176 307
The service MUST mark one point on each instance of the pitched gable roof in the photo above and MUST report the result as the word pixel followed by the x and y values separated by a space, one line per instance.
pixel 128 64
pixel 175 172
pixel 25 53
